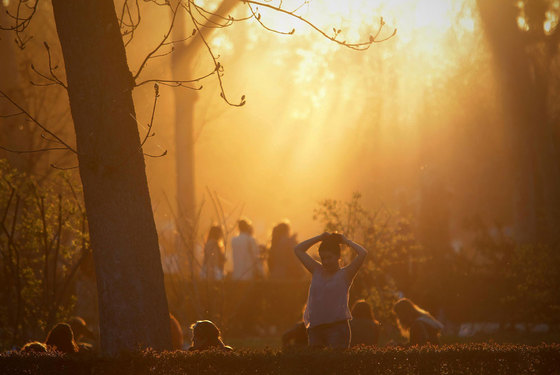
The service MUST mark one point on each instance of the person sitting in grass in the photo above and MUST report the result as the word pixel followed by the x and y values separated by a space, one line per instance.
pixel 420 325
pixel 364 328
pixel 34 347
pixel 206 336
pixel 327 314
pixel 61 339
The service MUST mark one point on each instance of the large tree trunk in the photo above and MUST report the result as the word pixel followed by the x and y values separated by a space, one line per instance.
pixel 522 66
pixel 133 310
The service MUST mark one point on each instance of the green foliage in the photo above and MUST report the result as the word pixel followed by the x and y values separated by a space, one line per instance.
pixel 520 282
pixel 42 243
pixel 391 245
pixel 454 359
pixel 535 273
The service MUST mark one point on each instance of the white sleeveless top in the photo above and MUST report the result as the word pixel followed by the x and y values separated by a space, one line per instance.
pixel 327 301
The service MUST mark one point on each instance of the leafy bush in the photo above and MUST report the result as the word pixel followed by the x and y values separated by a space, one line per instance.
pixel 43 240
pixel 454 359
pixel 391 244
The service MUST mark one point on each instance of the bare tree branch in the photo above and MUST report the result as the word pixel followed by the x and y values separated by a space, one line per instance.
pixel 217 65
pixel 149 131
pixel 21 22
pixel 150 55
pixel 32 151
pixel 38 123
pixel 156 156
pixel 175 83
pixel 257 16
pixel 64 168
pixel 360 46
pixel 12 115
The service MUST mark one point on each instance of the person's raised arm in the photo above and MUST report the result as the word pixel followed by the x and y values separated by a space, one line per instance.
pixel 361 253
pixel 301 252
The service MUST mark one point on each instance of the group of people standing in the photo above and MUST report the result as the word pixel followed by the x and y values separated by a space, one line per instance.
pixel 249 259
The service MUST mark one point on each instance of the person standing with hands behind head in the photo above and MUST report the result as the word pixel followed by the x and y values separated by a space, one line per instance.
pixel 327 314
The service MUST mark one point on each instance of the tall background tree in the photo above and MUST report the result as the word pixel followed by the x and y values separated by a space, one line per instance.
pixel 524 38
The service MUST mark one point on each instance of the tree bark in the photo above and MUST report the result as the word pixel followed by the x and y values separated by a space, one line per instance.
pixel 133 310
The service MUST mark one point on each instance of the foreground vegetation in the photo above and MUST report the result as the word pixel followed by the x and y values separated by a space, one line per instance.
pixel 452 359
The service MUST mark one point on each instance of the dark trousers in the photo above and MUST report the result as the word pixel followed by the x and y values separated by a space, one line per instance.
pixel 333 335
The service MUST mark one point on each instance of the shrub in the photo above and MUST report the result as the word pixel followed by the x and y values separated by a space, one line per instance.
pixel 455 359
pixel 43 240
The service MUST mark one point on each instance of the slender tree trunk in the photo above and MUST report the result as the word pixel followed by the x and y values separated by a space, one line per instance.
pixel 133 309
pixel 185 100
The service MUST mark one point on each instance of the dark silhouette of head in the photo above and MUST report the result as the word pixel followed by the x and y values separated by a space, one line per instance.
pixel 244 226
pixel 362 310
pixel 407 312
pixel 206 335
pixel 61 338
pixel 215 233
pixel 329 251
pixel 33 347
pixel 280 231
pixel 80 329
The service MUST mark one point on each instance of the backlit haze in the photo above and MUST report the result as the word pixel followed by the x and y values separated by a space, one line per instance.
pixel 323 121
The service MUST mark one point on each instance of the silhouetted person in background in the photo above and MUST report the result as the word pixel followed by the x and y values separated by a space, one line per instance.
pixel 281 265
pixel 245 252
pixel 326 315
pixel 34 347
pixel 214 254
pixel 81 331
pixel 206 336
pixel 364 328
pixel 421 326
pixel 61 339
pixel 176 333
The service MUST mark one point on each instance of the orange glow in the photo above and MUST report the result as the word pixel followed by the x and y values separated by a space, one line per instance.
pixel 323 121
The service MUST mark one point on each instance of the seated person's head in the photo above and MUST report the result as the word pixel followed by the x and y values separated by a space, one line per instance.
pixel 34 347
pixel 205 336
pixel 362 310
pixel 407 312
pixel 329 251
pixel 61 338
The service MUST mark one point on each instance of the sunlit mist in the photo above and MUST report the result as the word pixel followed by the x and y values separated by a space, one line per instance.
pixel 323 121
